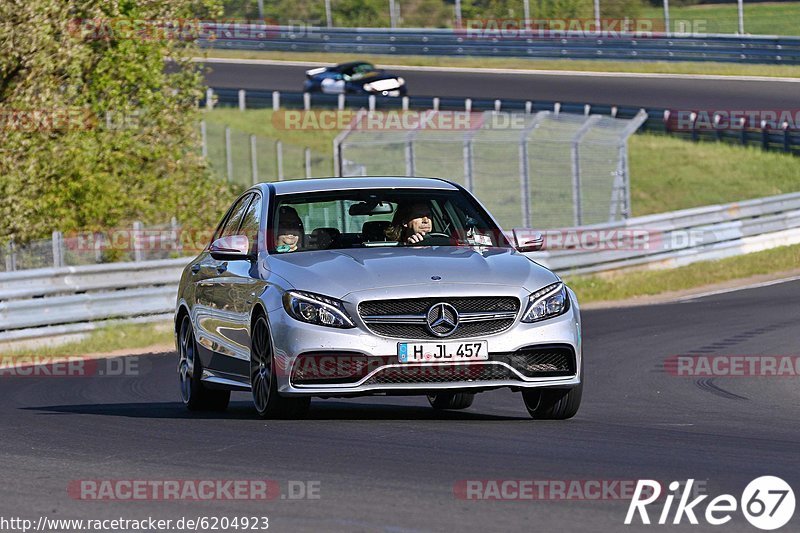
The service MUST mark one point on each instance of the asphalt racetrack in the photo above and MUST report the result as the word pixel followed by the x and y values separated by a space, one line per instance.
pixel 614 89
pixel 392 463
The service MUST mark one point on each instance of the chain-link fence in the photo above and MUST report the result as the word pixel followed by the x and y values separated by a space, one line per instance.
pixel 134 243
pixel 541 170
pixel 248 159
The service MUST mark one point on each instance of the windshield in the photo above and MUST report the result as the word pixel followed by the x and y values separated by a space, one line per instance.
pixel 379 218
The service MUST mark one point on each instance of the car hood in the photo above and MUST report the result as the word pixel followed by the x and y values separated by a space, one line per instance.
pixel 338 273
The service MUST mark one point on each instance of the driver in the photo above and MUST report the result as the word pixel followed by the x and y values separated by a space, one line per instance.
pixel 411 223
pixel 290 230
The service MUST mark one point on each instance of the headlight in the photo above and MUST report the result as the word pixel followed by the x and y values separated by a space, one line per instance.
pixel 546 303
pixel 367 86
pixel 316 309
pixel 401 81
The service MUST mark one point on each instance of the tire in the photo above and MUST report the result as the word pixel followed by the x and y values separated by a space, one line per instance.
pixel 451 400
pixel 263 382
pixel 195 396
pixel 553 404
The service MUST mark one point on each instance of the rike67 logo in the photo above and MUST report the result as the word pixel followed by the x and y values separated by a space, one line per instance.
pixel 767 503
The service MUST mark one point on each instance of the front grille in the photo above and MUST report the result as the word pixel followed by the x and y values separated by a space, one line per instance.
pixel 441 374
pixel 419 307
pixel 541 361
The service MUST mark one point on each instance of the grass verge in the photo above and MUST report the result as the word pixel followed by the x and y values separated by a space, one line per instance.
pixel 622 286
pixel 119 337
pixel 647 67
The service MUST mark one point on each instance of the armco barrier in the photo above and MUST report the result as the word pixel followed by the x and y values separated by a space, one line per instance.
pixel 450 42
pixel 48 302
pixel 785 140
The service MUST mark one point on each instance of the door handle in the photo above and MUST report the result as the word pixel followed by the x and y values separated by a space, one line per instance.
pixel 222 268
pixel 195 268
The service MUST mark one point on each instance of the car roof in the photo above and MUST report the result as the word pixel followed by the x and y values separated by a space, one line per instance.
pixel 373 182
pixel 351 64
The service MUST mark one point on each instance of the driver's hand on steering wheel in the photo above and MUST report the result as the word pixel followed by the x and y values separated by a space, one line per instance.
pixel 416 238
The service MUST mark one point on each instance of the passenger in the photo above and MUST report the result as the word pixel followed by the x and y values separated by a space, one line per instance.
pixel 290 230
pixel 410 223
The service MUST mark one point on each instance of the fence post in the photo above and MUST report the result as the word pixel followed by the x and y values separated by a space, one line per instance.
pixel 204 139
pixel 524 174
pixel 279 158
pixel 209 98
pixel 528 107
pixel 468 105
pixel 276 100
pixel 405 103
pixel 242 103
pixel 138 254
pixel 253 159
pixel 371 100
pixel 307 161
pixel 468 165
pixel 228 154
pixel 307 101
pixel 436 104
pixel 340 102
pixel 497 106
pixel 174 228
pixel 58 249
pixel 577 201
pixel 11 256
pixel 410 170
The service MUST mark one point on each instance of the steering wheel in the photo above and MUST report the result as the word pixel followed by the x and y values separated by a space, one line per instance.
pixel 433 238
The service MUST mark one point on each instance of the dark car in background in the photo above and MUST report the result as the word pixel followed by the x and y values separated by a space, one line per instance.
pixel 356 77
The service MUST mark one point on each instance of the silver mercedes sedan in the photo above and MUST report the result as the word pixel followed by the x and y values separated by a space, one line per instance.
pixel 344 287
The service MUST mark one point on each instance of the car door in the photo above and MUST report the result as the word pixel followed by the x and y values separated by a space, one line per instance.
pixel 212 309
pixel 234 292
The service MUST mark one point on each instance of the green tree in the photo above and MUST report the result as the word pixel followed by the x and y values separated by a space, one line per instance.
pixel 94 131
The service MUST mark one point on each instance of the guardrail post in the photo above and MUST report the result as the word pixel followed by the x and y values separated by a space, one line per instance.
pixel 203 139
pixel 138 253
pixel 340 102
pixel 279 158
pixel 253 159
pixel 497 106
pixel 58 249
pixel 557 108
pixel 209 98
pixel 307 161
pixel 436 103
pixel 405 103
pixel 371 100
pixel 276 100
pixel 409 156
pixel 764 135
pixel 228 155
pixel 242 103
pixel 174 229
pixel 468 105
pixel 787 141
pixel 307 101
pixel 587 109
pixel 528 107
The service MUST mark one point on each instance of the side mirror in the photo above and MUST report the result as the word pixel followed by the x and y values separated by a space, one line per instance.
pixel 230 248
pixel 532 242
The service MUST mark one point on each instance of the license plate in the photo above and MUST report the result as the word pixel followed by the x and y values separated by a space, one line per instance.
pixel 442 352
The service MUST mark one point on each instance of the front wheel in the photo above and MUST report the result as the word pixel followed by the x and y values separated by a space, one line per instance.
pixel 553 404
pixel 450 400
pixel 195 396
pixel 264 382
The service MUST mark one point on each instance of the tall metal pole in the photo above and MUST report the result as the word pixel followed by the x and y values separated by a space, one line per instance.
pixel 328 15
pixel 261 9
pixel 666 18
pixel 597 14
pixel 392 14
pixel 458 13
pixel 741 16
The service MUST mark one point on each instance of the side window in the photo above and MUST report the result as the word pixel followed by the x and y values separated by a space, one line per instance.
pixel 237 214
pixel 250 223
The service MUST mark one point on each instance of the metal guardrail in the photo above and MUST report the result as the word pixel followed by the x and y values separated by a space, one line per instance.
pixel 678 237
pixel 47 302
pixel 659 120
pixel 532 44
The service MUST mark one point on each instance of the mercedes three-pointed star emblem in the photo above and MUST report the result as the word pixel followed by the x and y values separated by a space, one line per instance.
pixel 442 319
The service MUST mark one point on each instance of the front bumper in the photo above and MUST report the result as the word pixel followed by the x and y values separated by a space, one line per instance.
pixel 292 338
